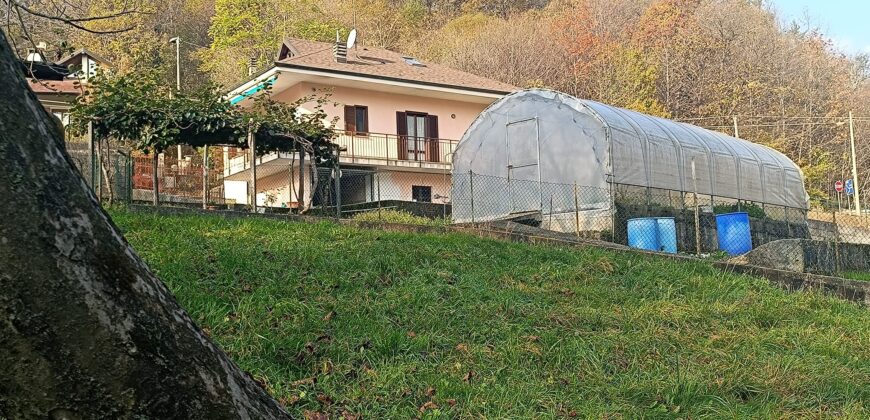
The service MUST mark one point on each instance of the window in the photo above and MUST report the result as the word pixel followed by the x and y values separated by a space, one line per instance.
pixel 421 194
pixel 356 119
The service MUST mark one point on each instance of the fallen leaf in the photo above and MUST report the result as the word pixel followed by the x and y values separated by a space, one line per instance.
pixel 429 405
pixel 468 376
pixel 411 334
pixel 347 415
pixel 324 399
pixel 451 402
pixel 329 316
pixel 314 415
pixel 305 381
pixel 533 338
pixel 430 391
pixel 287 401
pixel 462 347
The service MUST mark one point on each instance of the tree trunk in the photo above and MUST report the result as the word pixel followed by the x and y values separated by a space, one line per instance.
pixel 86 329
pixel 300 196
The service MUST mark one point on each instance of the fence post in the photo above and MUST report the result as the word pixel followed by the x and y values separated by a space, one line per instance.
pixel 550 227
pixel 836 239
pixel 788 223
pixel 576 212
pixel 155 184
pixel 380 217
pixel 92 156
pixel 252 144
pixel 471 190
pixel 204 177
pixel 336 169
pixel 130 166
pixel 697 214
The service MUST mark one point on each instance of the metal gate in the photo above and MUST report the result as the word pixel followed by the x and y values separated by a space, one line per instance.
pixel 524 170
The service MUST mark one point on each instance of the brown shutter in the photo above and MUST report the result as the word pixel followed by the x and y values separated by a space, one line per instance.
pixel 349 119
pixel 402 133
pixel 432 138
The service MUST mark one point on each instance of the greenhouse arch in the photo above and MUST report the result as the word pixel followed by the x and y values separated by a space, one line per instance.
pixel 527 151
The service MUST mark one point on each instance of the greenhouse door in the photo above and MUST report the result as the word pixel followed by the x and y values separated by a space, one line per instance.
pixel 524 173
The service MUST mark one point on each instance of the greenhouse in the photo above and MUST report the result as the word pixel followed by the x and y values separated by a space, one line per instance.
pixel 575 160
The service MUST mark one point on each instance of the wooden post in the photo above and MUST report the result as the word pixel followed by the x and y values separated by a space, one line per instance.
pixel 300 195
pixel 697 214
pixel 252 144
pixel 576 211
pixel 154 183
pixel 205 177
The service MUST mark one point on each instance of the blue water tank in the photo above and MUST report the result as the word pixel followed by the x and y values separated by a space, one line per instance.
pixel 667 234
pixel 643 233
pixel 734 234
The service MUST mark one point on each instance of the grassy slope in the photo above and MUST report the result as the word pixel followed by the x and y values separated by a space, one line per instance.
pixel 547 332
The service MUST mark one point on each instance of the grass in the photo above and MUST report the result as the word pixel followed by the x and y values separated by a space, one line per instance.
pixel 856 275
pixel 347 321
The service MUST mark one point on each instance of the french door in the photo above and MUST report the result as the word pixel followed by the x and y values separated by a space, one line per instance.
pixel 418 136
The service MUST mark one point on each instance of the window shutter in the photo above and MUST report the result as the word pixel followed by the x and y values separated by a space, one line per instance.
pixel 402 134
pixel 432 138
pixel 349 118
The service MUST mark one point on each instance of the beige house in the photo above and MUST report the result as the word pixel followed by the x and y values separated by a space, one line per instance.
pixel 399 119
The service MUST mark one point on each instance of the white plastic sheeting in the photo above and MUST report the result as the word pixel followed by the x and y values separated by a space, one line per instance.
pixel 536 137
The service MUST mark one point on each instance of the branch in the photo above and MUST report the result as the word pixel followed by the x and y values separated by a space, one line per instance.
pixel 75 22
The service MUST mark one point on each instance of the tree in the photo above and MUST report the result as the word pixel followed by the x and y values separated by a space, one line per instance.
pixel 86 329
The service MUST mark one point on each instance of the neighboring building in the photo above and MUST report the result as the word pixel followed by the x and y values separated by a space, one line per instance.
pixel 397 116
pixel 57 85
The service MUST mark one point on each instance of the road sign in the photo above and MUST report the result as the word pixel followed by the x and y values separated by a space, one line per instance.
pixel 850 187
pixel 838 186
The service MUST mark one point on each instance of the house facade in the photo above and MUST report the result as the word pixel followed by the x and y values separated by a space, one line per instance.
pixel 58 84
pixel 397 118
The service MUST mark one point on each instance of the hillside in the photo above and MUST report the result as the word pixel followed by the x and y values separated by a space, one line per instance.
pixel 349 321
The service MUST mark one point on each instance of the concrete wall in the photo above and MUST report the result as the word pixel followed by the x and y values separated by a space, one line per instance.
pixel 810 256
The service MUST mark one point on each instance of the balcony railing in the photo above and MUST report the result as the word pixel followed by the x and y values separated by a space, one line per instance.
pixel 395 148
pixel 369 148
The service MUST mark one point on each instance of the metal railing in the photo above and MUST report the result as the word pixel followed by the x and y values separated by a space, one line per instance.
pixel 395 148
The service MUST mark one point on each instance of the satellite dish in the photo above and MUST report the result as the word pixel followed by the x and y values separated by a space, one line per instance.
pixel 351 38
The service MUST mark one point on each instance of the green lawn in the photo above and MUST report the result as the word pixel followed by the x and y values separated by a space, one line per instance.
pixel 341 320
pixel 856 275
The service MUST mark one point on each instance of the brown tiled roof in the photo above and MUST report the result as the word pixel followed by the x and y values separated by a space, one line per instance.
pixel 382 64
pixel 55 86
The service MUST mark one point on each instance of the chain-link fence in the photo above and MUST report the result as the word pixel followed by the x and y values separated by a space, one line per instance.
pixel 645 218
pixel 106 168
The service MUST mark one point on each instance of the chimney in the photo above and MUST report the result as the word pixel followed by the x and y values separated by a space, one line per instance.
pixel 339 50
pixel 252 66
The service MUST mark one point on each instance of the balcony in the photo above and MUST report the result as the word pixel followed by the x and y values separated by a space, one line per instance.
pixel 395 150
pixel 372 149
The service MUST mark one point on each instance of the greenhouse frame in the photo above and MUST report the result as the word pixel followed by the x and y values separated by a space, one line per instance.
pixel 546 151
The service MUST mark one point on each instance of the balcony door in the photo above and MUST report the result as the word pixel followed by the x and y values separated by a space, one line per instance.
pixel 418 136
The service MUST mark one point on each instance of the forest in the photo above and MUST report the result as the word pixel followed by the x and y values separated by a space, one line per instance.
pixel 721 64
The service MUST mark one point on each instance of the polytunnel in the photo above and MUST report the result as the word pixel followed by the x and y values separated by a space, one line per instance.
pixel 533 150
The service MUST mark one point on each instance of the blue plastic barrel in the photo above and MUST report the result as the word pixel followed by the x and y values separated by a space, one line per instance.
pixel 643 233
pixel 667 234
pixel 733 232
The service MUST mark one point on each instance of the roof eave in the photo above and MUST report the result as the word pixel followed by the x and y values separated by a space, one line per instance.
pixel 496 92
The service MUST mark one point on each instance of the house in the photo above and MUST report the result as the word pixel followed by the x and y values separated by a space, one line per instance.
pixel 58 84
pixel 398 118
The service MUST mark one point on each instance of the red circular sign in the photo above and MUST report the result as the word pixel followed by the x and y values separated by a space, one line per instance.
pixel 838 186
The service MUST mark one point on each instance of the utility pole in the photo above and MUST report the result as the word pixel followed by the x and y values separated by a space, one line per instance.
pixel 177 41
pixel 854 165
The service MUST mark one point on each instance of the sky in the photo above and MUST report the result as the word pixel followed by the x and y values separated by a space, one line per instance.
pixel 846 22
